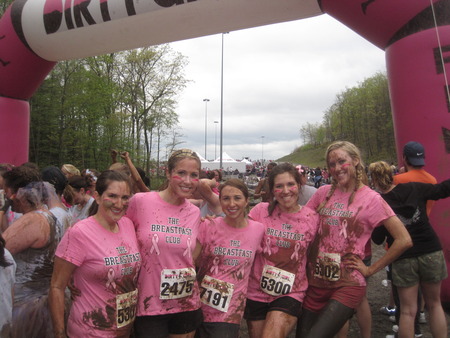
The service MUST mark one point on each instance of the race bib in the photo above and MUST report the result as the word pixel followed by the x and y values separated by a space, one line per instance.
pixel 216 293
pixel 328 266
pixel 126 308
pixel 177 283
pixel 276 282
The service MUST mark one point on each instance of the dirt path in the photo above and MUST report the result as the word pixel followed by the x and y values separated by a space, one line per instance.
pixel 378 296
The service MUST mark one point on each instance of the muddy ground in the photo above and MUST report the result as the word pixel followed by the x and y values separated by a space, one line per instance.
pixel 378 296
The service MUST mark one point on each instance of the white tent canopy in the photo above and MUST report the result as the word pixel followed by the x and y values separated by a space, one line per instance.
pixel 202 159
pixel 228 163
pixel 225 158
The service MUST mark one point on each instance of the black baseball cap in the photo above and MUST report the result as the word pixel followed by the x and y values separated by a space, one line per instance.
pixel 414 153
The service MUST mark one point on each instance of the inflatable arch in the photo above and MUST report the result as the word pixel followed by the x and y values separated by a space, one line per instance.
pixel 35 34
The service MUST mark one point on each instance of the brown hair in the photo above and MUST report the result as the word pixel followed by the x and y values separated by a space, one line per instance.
pixel 278 170
pixel 103 182
pixel 238 184
pixel 235 183
pixel 19 177
pixel 381 174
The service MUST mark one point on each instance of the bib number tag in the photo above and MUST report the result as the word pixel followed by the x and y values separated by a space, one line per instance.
pixel 216 293
pixel 328 266
pixel 177 283
pixel 126 308
pixel 276 282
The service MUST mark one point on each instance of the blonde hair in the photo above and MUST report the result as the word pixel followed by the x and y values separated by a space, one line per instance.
pixel 381 174
pixel 361 177
pixel 71 169
pixel 176 157
pixel 179 155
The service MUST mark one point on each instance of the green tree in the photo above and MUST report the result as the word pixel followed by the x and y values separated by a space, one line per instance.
pixel 362 115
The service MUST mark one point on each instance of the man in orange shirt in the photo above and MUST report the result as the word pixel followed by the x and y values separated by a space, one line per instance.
pixel 414 161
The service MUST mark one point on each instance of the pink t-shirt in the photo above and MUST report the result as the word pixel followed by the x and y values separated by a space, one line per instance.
pixel 343 230
pixel 167 235
pixel 107 268
pixel 280 270
pixel 225 263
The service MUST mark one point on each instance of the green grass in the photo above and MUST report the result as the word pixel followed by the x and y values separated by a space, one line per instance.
pixel 307 155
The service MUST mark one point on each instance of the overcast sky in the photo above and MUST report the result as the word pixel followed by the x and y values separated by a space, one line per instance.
pixel 276 78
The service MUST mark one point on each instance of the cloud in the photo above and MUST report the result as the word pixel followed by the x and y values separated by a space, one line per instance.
pixel 276 78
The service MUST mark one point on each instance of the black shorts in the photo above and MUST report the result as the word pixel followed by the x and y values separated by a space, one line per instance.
pixel 255 310
pixel 163 325
pixel 218 330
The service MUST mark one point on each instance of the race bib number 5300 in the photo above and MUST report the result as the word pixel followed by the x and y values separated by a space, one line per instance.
pixel 328 266
pixel 177 283
pixel 276 282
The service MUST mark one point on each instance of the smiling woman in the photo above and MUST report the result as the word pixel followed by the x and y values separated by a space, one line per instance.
pixel 167 227
pixel 349 211
pixel 105 274
pixel 278 280
pixel 228 248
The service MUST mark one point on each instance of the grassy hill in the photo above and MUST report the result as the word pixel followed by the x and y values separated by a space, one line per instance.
pixel 315 156
pixel 307 155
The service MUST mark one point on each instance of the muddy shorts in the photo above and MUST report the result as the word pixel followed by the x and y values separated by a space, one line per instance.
pixel 255 310
pixel 317 298
pixel 428 268
pixel 163 325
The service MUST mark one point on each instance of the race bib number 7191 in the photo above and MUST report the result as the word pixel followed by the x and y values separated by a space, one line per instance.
pixel 216 293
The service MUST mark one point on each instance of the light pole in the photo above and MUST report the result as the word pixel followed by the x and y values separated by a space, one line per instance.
pixel 215 139
pixel 221 107
pixel 262 150
pixel 206 124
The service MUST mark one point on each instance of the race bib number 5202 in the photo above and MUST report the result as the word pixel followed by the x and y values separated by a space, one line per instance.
pixel 177 283
pixel 328 266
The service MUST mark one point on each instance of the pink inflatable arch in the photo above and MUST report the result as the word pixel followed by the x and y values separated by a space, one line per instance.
pixel 34 35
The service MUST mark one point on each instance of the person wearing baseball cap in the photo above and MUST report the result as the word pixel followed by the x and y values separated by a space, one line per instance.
pixel 414 153
pixel 414 161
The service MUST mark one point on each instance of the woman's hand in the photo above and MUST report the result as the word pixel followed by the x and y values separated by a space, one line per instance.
pixel 125 155
pixel 354 262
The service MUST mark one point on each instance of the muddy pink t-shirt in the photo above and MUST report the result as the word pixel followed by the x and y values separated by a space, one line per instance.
pixel 167 236
pixel 106 274
pixel 225 262
pixel 343 230
pixel 280 269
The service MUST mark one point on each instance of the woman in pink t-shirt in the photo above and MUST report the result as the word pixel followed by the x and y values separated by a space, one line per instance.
pixel 228 247
pixel 278 280
pixel 349 211
pixel 101 254
pixel 166 228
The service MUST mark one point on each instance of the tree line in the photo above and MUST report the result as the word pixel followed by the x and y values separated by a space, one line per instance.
pixel 361 115
pixel 124 101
